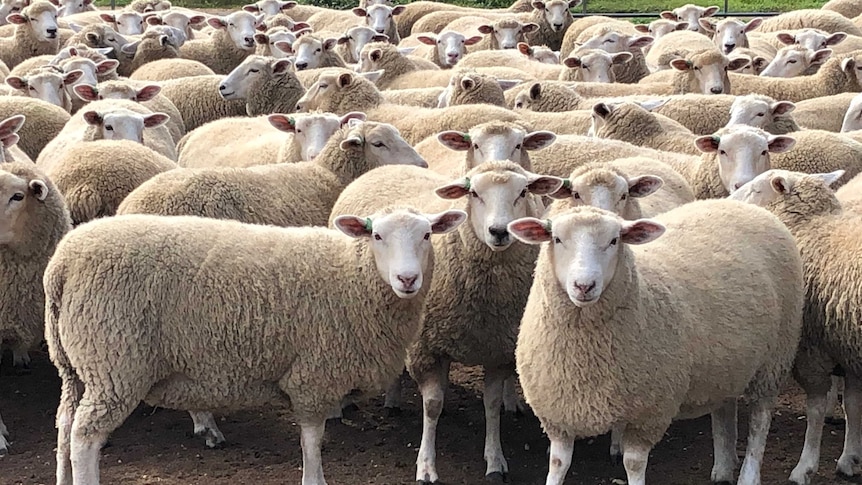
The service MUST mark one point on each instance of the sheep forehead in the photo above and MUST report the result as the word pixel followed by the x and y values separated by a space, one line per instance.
pixel 374 9
pixel 38 8
pixel 310 40
pixel 317 119
pixel 9 182
pixel 123 115
pixel 593 55
pixel 175 16
pixel 507 23
pixel 130 15
pixel 73 63
pixel 601 176
pixel 281 36
pixel 255 61
pixel 596 223
pixel 492 128
pixel 749 102
pixel 46 77
pixel 450 36
pixel 709 57
pixel 378 131
pixel 494 173
pixel 401 220
pixel 739 136
pixel 729 22
pixel 689 9
pixel 241 17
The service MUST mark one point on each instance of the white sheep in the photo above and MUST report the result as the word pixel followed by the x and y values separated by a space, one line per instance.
pixel 126 22
pixel 730 33
pixel 447 48
pixel 313 52
pixel 680 44
pixel 35 34
pixel 354 39
pixel 834 76
pixel 380 18
pixel 593 65
pixel 539 53
pixel 48 84
pixel 232 41
pixel 852 120
pixel 266 84
pixel 762 112
pixel 10 6
pixel 824 20
pixel 178 20
pixel 198 100
pixel 269 7
pixel 795 60
pixel 167 69
pixel 691 15
pixel 616 37
pixel 385 266
pixel 590 274
pixel 502 33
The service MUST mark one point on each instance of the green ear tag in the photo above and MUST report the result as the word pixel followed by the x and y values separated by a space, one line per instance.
pixel 567 184
pixel 466 136
pixel 716 139
pixel 368 224
pixel 548 225
pixel 467 183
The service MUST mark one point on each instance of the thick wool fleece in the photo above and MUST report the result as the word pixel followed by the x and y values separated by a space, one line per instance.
pixel 830 79
pixel 218 52
pixel 662 342
pixel 819 151
pixel 44 121
pixel 23 45
pixel 167 69
pixel 630 122
pixel 825 20
pixel 199 102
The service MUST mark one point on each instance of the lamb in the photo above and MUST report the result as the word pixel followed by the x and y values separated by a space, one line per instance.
pixel 593 65
pixel 730 33
pixel 691 15
pixel 539 53
pixel 512 59
pixel 447 48
pixel 341 92
pixel 407 272
pixel 34 221
pixel 458 310
pixel 95 177
pixel 681 382
pixel 828 245
pixel 228 46
pixel 35 34
pixel 179 20
pixel 265 83
pixel 228 193
pixel 795 60
pixel 835 76
pixel 198 100
pixel 469 87
pixel 824 20
pixel 44 122
pixel 167 69
pixel 313 52
pixel 110 119
pixel 48 84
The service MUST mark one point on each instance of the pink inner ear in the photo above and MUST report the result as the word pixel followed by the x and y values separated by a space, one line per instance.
pixel 453 191
pixel 530 230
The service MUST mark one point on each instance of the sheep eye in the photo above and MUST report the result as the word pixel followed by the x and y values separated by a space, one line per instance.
pixel 523 193
pixel 584 66
pixel 698 68
pixel 557 240
pixel 474 194
pixel 111 40
pixel 624 197
pixel 254 70
pixel 323 86
pixel 792 61
pixel 519 105
pixel 518 146
pixel 230 25
pixel 722 152
pixel 32 88
pixel 576 196
pixel 427 236
pixel 318 49
pixel 17 197
pixel 298 131
pixel 614 241
pixel 378 144
pixel 109 127
pixel 377 237
pixel 760 114
pixel 763 153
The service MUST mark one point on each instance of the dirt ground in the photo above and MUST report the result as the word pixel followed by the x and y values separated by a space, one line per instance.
pixel 366 447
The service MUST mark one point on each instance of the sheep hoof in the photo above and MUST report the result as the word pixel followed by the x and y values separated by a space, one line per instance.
pixel 834 421
pixel 392 412
pixel 496 477
pixel 427 482
pixel 723 482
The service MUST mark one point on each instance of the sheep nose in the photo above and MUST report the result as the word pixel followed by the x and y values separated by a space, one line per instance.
pixel 409 280
pixel 52 31
pixel 222 87
pixel 729 47
pixel 508 47
pixel 453 55
pixel 500 233
pixel 585 288
pixel 379 31
pixel 716 90
pixel 557 27
pixel 301 65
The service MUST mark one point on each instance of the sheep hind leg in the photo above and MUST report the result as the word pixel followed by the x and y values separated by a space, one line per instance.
pixel 392 403
pixel 497 468
pixel 850 462
pixel 617 444
pixel 432 385
pixel 205 426
pixel 94 421
pixel 512 403
pixel 759 423
pixel 311 439
pixel 4 433
pixel 560 460
pixel 635 457
pixel 71 392
pixel 810 459
pixel 724 437
pixel 832 402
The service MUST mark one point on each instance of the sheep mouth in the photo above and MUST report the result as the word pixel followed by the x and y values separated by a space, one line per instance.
pixel 227 95
pixel 51 35
pixel 583 300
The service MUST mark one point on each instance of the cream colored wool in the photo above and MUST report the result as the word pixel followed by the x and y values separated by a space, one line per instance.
pixel 167 69
pixel 198 100
pixel 44 122
pixel 24 44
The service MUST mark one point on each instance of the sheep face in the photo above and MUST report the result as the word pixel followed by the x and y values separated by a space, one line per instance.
pixel 597 65
pixel 269 7
pixel 20 196
pixel 106 37
pixel 757 111
pixel 508 33
pixel 496 141
pixel 90 70
pixel 378 17
pixel 48 85
pixel 812 39
pixel 356 38
pixel 708 71
pixel 497 195
pixel 606 188
pixel 240 26
pixel 128 23
pixel 661 27
pixel 792 61
pixel 381 144
pixel 177 20
pixel 309 51
pixel 123 124
pixel 556 12
pixel 42 22
pixel 853 117
pixel 731 33
pixel 401 243
pixel 279 42
pixel 775 184
pixel 690 14
pixel 450 46
pixel 742 153
pixel 312 132
pixel 614 42
pixel 241 82
pixel 585 245
pixel 539 53
pixel 8 7
pixel 71 7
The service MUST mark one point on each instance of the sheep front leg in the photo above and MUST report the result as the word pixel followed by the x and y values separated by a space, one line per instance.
pixel 810 459
pixel 724 436
pixel 497 468
pixel 832 401
pixel 432 385
pixel 850 462
pixel 635 458
pixel 85 451
pixel 617 444
pixel 205 426
pixel 392 403
pixel 761 419
pixel 311 439
pixel 511 402
pixel 4 445
pixel 560 460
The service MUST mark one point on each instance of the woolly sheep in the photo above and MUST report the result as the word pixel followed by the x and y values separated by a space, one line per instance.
pixel 852 120
pixel 383 56
pixel 835 76
pixel 340 92
pixel 415 11
pixel 659 28
pixel 266 84
pixel 98 36
pixel 34 221
pixel 470 87
pixel 405 268
pixel 730 33
pixel 540 53
pixel 48 84
pixel 579 26
pixel 466 320
pixel 125 22
pixel 503 33
pixel 229 193
pixel 824 113
pixel 269 7
pixel 618 37
pixel 824 20
pixel 850 195
pixel 512 59
pixel 44 122
pixel 681 381
pixel 9 128
pixel 35 34
pixel 776 117
pixel 198 100
pixel 10 6
pixel 691 15
pixel 229 45
pixel 847 8
pixel 95 177
pixel 380 18
pixel 144 6
pixel 92 74
pixel 167 69
pixel 313 52
pixel 178 20
pixel 354 39
pixel 422 97
pixel 447 48
pixel 635 123
pixel 152 47
pixel 795 60
pixel 675 45
pixel 829 246
pixel 553 18
pixel 593 65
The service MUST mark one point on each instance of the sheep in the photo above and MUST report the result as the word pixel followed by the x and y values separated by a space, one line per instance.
pixel 850 195
pixel 470 87
pixel 545 97
pixel 691 15
pixel 95 64
pixel 265 83
pixel 313 52
pixel 757 65
pixel 680 382
pixel 459 323
pixel 198 100
pixel 635 123
pixel 44 122
pixel 847 8
pixel 95 177
pixel 835 76
pixel 503 33
pixel 447 48
pixel 539 53
pixel 824 20
pixel 812 38
pixel 675 45
pixel 383 56
pixel 617 37
pixel 229 45
pixel 269 7
pixel 227 193
pixel 354 39
pixel 276 138
pixel 593 65
pixel 150 48
pixel 659 28
pixel 126 22
pixel 92 74
pixel 9 128
pixel 144 6
pixel 824 113
pixel 356 260
pixel 852 120
pixel 825 235
pixel 34 221
pixel 553 18
pixel 48 84
pixel 10 6
pixel 512 59
pixel 761 112
pixel 730 33
pixel 99 36
pixel 35 34
pixel 795 60
pixel 380 18
pixel 177 20
pixel 110 119
pixel 167 69
pixel 573 33
pixel 341 92
pixel 706 114
pixel 266 42
pixel 415 11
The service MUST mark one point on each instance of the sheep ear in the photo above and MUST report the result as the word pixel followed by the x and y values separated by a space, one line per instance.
pixel 372 76
pixel 154 20
pixel 282 122
pixel 668 15
pixel 642 28
pixel 72 77
pixel 708 143
pixel 530 230
pixel 782 108
pixel 251 8
pixel 375 54
pixel 454 190
pixel 281 66
pixel 706 25
pixel 329 43
pixel 16 82
pixel 564 192
pixel 352 142
pixel 485 29
pixel 780 143
pixel 538 140
pixel 535 91
pixel 351 118
pixel 9 140
pixel 147 93
pixel 622 57
pixel 427 39
pixel 780 184
pixel 398 10
pixel 752 24
pixel 467 83
pixel 602 110
pixel 11 125
pixel 829 178
pixel 543 184
pixel 16 18
pixel 359 12
pixel 681 26
pixel 445 222
pixel 39 189
pixel 527 28
pixel 75 27
pixel 353 226
pixel 525 49
pixel 785 38
pixel 640 231
pixel 572 62
pixel 507 84
pixel 644 185
pixel 155 119
pixel 130 48
pixel 680 64
pixel 380 38
pixel 263 39
pixel 473 40
pixel 345 79
pixel 108 18
pixel 848 64
pixel 710 11
pixel 640 42
pixel 455 140
pixel 217 22
pixel 284 46
pixel 86 92
pixel 107 66
pixel 92 118
pixel 300 27
pixel 836 38
pixel 820 56
pixel 406 51
pixel 758 63
pixel 538 5
pixel 738 63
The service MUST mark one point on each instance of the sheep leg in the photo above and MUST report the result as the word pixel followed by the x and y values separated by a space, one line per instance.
pixel 85 452
pixel 497 468
pixel 759 422
pixel 850 462
pixel 560 461
pixel 617 444
pixel 832 401
pixel 70 395
pixel 4 445
pixel 810 460
pixel 511 402
pixel 20 356
pixel 635 457
pixel 392 403
pixel 724 437
pixel 432 385
pixel 311 439
pixel 205 426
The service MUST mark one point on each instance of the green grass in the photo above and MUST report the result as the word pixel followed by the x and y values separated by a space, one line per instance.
pixel 593 6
